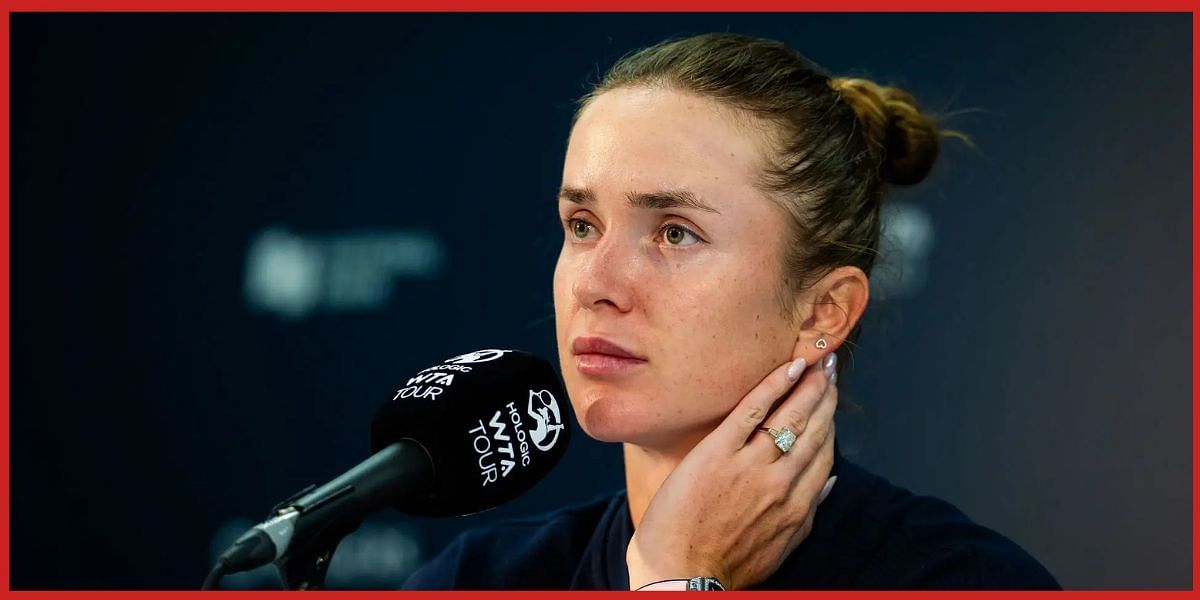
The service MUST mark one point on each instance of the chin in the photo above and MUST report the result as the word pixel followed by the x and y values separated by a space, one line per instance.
pixel 600 414
pixel 606 427
pixel 623 417
pixel 608 415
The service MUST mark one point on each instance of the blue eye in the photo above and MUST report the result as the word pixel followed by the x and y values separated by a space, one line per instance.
pixel 678 235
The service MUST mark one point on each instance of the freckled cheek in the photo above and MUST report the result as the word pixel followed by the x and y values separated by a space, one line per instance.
pixel 693 339
pixel 725 340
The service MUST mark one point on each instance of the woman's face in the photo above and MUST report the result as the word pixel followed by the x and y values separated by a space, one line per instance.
pixel 666 289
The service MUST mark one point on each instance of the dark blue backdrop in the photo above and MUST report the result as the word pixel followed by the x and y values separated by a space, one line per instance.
pixel 232 235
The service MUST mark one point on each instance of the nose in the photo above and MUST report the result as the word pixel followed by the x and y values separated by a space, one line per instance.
pixel 606 275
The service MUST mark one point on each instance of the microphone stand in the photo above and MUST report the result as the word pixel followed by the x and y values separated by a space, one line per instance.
pixel 305 567
pixel 307 527
pixel 306 570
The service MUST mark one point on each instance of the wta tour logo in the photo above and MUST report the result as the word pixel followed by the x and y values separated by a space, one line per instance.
pixel 431 382
pixel 499 450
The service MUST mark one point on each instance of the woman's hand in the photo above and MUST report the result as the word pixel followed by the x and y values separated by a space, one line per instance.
pixel 736 506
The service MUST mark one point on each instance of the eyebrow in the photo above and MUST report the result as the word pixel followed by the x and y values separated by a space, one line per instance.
pixel 656 200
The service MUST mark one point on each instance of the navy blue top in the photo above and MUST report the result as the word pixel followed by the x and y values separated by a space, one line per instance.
pixel 867 534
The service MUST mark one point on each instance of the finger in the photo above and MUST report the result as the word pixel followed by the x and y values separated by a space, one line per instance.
pixel 810 489
pixel 754 406
pixel 817 431
pixel 814 482
pixel 794 413
pixel 797 414
pixel 809 482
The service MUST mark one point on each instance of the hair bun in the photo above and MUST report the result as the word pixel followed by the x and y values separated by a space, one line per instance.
pixel 902 138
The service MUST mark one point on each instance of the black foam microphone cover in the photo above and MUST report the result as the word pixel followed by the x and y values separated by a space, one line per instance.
pixel 494 422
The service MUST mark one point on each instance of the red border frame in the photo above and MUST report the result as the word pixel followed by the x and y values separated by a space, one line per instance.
pixel 1195 310
pixel 555 6
pixel 848 6
pixel 5 340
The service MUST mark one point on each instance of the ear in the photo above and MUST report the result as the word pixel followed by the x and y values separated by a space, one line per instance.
pixel 829 310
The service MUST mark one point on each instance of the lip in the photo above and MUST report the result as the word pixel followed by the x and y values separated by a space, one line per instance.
pixel 599 345
pixel 599 357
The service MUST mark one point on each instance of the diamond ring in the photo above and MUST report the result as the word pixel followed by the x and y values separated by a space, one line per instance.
pixel 784 438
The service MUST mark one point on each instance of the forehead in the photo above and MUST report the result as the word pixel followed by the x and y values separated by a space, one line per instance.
pixel 653 138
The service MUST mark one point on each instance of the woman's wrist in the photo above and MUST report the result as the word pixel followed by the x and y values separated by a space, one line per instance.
pixel 642 573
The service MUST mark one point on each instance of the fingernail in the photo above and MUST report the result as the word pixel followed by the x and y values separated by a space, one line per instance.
pixel 830 364
pixel 828 488
pixel 833 378
pixel 795 369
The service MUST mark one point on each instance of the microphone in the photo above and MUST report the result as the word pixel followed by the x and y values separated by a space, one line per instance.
pixel 460 437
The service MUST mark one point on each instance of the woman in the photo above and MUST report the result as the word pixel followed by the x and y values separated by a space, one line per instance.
pixel 720 203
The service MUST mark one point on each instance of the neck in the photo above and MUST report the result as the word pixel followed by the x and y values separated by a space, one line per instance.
pixel 645 470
